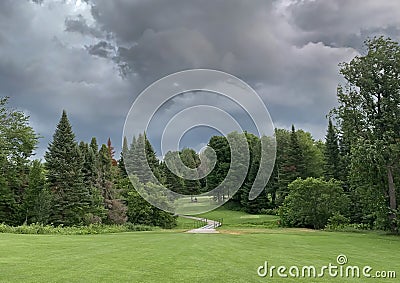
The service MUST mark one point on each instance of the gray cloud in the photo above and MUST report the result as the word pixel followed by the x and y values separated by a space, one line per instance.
pixel 256 42
pixel 79 24
pixel 102 49
pixel 344 22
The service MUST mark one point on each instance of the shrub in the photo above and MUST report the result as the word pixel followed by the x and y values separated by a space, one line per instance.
pixel 311 202
pixel 73 230
pixel 337 222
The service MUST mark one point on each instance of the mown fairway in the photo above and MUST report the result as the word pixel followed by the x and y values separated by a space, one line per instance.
pixel 174 256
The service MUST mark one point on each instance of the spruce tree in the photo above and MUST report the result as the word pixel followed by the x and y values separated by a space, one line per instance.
pixel 121 161
pixel 332 159
pixel 111 152
pixel 171 181
pixel 141 157
pixel 293 167
pixel 71 198
pixel 94 146
pixel 152 158
pixel 129 156
pixel 90 178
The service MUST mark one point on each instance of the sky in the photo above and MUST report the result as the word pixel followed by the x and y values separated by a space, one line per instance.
pixel 94 57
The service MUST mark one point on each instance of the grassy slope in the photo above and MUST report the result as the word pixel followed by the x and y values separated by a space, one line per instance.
pixel 180 257
pixel 239 219
pixel 232 220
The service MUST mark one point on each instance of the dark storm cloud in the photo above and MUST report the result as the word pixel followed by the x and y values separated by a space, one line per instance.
pixel 71 54
pixel 159 37
pixel 345 22
pixel 102 49
pixel 256 42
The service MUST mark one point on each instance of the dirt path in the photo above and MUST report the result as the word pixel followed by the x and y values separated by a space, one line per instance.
pixel 209 228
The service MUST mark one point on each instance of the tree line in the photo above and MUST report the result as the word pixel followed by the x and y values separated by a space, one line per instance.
pixel 78 184
pixel 350 178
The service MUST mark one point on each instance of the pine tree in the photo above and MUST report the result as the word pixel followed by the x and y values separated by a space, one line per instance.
pixel 129 157
pixel 71 199
pixel 296 156
pixel 90 178
pixel 94 146
pixel 152 158
pixel 111 152
pixel 332 159
pixel 121 161
pixel 141 158
pixel 293 167
pixel 138 162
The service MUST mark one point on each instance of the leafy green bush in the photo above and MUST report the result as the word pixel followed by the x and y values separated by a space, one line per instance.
pixel 73 230
pixel 337 222
pixel 311 202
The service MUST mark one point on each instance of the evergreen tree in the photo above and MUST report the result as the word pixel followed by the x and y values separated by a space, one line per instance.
pixel 332 158
pixel 121 161
pixel 111 152
pixel 94 146
pixel 129 156
pixel 141 157
pixel 152 158
pixel 71 198
pixel 90 178
pixel 293 167
pixel 296 164
pixel 171 181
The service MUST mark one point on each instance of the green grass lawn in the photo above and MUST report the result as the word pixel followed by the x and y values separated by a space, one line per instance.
pixel 181 257
pixel 174 256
